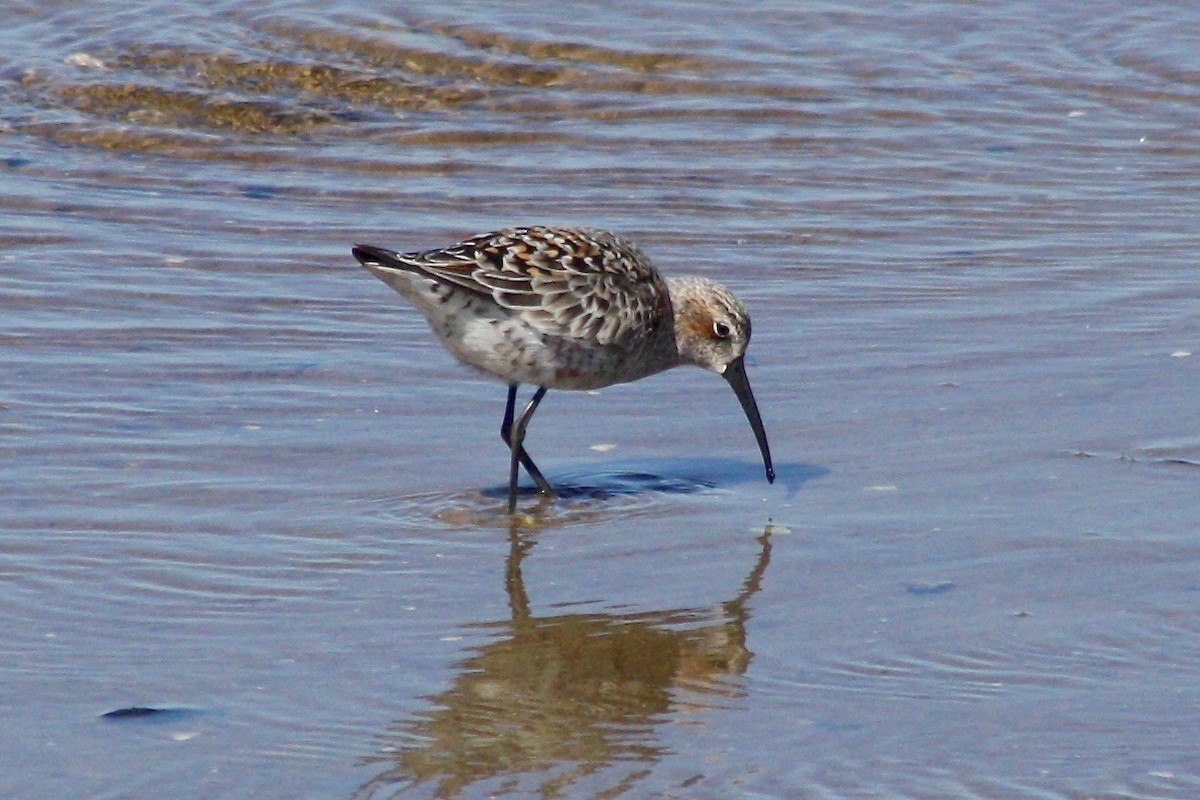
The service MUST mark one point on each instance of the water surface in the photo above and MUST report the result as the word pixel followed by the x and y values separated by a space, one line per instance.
pixel 249 505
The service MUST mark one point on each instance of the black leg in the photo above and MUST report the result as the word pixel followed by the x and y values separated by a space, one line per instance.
pixel 515 451
pixel 518 438
pixel 514 438
pixel 506 425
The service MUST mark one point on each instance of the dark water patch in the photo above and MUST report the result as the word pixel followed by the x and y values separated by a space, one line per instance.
pixel 608 485
pixel 261 191
pixel 1168 455
pixel 690 475
pixel 158 714
pixel 927 589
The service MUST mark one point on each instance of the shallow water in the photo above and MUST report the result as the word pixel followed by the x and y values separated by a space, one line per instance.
pixel 248 503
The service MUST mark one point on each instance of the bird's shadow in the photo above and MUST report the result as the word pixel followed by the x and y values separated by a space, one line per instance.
pixel 663 476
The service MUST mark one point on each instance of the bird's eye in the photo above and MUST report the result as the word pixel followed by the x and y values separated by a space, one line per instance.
pixel 721 330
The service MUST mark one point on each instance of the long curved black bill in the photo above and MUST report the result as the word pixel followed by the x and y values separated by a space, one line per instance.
pixel 735 373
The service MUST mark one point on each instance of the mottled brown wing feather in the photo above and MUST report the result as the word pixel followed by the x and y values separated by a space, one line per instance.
pixel 571 283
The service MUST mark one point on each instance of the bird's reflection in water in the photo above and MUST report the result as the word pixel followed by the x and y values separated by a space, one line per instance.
pixel 559 700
